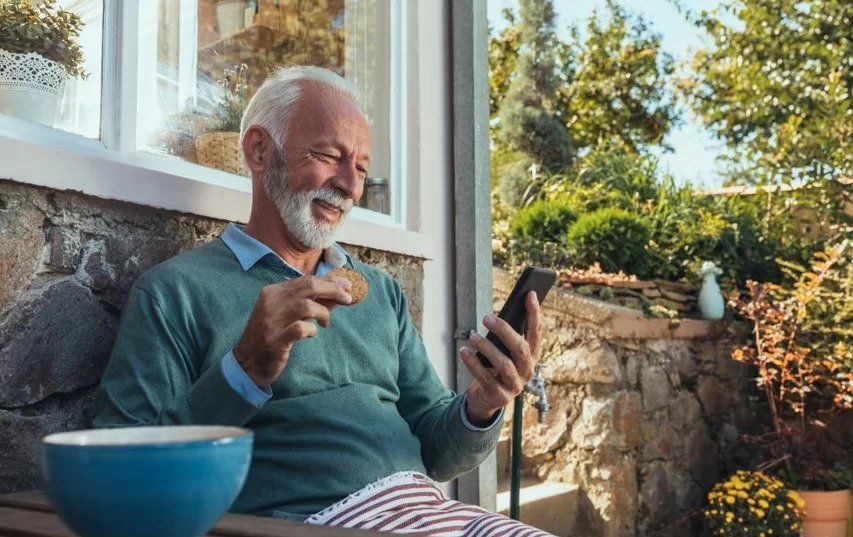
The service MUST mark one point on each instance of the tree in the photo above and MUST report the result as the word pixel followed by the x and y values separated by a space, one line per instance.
pixel 618 89
pixel 612 87
pixel 776 86
pixel 527 123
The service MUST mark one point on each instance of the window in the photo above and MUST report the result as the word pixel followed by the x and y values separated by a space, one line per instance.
pixel 175 75
pixel 41 80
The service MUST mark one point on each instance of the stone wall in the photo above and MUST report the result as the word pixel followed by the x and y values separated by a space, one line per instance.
pixel 645 414
pixel 66 262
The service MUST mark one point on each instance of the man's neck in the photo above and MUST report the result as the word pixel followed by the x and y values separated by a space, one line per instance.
pixel 284 244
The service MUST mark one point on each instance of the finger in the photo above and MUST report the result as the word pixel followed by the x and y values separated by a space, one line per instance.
pixel 323 289
pixel 305 310
pixel 533 331
pixel 518 347
pixel 298 330
pixel 509 376
pixel 483 376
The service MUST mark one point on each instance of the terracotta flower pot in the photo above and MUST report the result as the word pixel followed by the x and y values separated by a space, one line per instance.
pixel 826 513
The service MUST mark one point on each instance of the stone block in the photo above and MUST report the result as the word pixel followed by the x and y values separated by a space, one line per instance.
pixel 656 495
pixel 23 430
pixel 713 396
pixel 57 343
pixel 608 422
pixel 702 458
pixel 587 364
pixel 20 249
pixel 655 387
pixel 63 249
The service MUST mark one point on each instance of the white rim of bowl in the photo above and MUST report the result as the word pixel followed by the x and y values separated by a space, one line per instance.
pixel 174 435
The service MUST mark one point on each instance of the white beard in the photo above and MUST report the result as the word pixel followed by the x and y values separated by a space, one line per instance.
pixel 294 206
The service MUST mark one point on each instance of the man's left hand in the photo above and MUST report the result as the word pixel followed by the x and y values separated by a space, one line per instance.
pixel 495 387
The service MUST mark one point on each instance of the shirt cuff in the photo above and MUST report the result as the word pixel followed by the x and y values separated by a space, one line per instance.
pixel 463 411
pixel 242 384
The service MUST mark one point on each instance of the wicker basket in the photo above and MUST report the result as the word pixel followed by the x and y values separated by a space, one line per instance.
pixel 219 150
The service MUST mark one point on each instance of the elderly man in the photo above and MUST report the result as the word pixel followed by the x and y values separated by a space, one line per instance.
pixel 351 422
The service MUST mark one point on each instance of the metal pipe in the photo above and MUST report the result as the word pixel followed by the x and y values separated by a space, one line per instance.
pixel 515 476
pixel 536 386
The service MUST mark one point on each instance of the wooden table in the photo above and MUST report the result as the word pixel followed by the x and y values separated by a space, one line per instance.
pixel 29 514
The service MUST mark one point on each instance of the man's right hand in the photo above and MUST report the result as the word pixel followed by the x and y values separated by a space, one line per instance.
pixel 281 317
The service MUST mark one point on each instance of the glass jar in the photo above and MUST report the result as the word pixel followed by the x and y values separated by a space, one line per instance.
pixel 375 197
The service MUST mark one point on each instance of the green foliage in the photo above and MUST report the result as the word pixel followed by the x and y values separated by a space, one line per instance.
pixel 544 220
pixel 612 87
pixel 41 27
pixel 613 238
pixel 618 89
pixel 688 229
pixel 236 99
pixel 633 175
pixel 527 122
pixel 776 85
pixel 503 56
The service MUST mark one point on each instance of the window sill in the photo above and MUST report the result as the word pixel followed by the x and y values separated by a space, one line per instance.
pixel 70 162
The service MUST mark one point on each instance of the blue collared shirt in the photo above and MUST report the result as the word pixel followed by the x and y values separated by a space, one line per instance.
pixel 250 251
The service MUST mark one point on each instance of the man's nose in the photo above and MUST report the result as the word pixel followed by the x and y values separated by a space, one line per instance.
pixel 347 180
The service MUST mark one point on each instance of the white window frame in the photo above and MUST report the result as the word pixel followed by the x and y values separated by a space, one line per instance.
pixel 113 168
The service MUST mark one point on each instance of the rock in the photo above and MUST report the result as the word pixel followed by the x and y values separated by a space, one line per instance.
pixel 678 297
pixel 651 292
pixel 541 438
pixel 586 365
pixel 702 456
pixel 64 249
pixel 685 411
pixel 58 343
pixel 23 430
pixel 20 249
pixel 654 384
pixel 712 395
pixel 661 440
pixel 611 422
pixel 656 495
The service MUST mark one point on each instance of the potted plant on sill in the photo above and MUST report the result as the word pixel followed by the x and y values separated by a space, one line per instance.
pixel 38 52
pixel 800 349
pixel 218 148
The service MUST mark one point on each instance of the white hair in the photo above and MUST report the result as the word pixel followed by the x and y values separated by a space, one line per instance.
pixel 271 107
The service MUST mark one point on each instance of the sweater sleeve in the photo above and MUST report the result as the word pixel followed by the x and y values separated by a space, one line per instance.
pixel 449 448
pixel 153 379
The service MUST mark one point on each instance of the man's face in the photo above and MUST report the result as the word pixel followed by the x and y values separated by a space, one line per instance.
pixel 326 156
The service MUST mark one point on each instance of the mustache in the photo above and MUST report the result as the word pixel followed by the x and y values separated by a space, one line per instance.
pixel 333 197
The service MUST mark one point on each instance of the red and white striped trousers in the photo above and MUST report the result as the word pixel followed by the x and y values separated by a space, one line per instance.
pixel 411 503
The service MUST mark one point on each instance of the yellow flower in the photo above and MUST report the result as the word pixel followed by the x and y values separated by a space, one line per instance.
pixel 759 513
pixel 797 499
pixel 763 504
pixel 750 501
pixel 730 500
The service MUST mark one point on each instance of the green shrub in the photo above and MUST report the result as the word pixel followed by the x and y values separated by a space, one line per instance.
pixel 544 220
pixel 614 238
pixel 688 229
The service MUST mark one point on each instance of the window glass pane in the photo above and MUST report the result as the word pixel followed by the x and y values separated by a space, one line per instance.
pixel 209 56
pixel 43 53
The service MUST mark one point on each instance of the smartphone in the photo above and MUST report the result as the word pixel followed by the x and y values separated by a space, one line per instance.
pixel 514 311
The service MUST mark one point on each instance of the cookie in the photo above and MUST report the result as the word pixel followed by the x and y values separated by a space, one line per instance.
pixel 359 284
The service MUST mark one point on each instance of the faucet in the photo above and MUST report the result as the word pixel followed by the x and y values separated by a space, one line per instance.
pixel 536 387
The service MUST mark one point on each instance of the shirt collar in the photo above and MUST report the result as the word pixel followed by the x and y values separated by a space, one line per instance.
pixel 248 251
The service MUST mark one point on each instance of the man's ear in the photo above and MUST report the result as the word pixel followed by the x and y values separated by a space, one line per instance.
pixel 257 148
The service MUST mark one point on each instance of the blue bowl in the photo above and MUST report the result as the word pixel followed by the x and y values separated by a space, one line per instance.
pixel 144 481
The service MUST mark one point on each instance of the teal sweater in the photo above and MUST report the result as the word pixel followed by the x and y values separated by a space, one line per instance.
pixel 356 403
